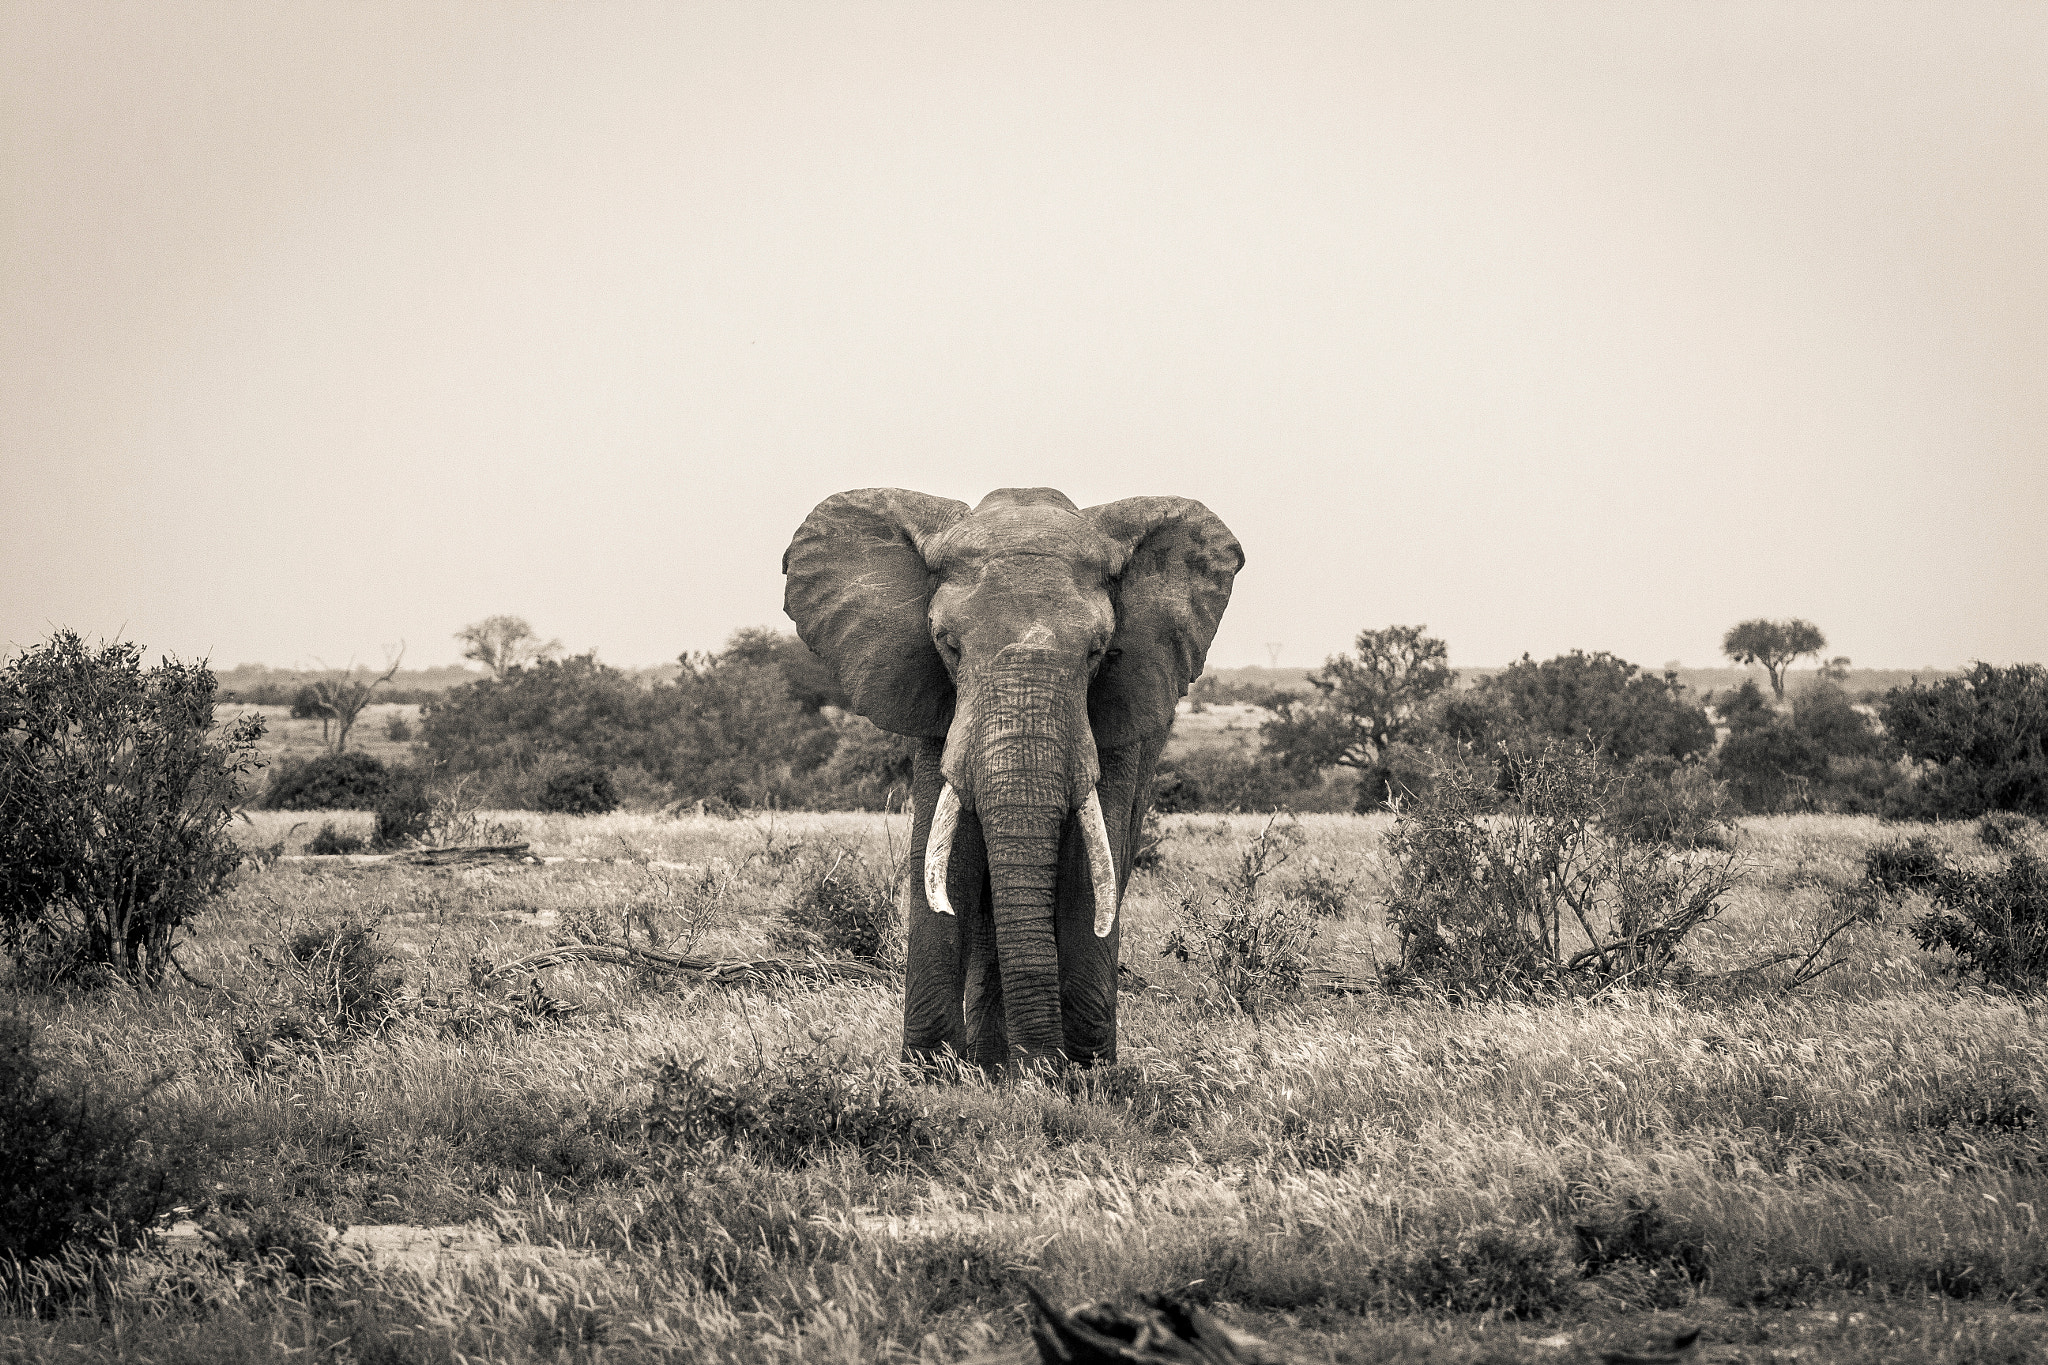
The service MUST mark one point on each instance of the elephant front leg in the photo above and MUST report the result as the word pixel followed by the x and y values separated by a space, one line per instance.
pixel 1088 965
pixel 934 962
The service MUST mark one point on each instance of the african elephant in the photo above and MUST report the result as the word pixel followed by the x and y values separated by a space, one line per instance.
pixel 1038 649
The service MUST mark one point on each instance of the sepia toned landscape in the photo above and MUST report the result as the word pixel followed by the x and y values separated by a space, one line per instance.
pixel 1332 682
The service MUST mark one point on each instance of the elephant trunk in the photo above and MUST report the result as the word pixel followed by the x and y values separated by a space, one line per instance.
pixel 1031 765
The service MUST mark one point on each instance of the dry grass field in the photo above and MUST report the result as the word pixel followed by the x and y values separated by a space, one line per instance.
pixel 1850 1173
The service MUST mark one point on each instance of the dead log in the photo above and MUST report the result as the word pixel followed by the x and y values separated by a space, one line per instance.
pixel 1166 1331
pixel 450 857
pixel 713 970
pixel 454 856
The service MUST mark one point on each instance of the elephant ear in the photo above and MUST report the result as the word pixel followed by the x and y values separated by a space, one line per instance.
pixel 1172 591
pixel 859 591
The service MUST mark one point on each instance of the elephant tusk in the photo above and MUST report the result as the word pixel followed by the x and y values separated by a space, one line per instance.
pixel 1101 866
pixel 938 848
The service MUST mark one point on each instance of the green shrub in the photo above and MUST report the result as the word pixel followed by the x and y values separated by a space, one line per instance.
pixel 405 810
pixel 115 798
pixel 397 728
pixel 1513 1271
pixel 1915 865
pixel 1225 779
pixel 1251 944
pixel 68 1161
pixel 331 983
pixel 1325 894
pixel 789 1114
pixel 1996 923
pixel 842 904
pixel 1981 741
pixel 343 781
pixel 1638 1232
pixel 1772 768
pixel 329 841
pixel 1484 886
pixel 1656 801
pixel 2004 829
pixel 580 790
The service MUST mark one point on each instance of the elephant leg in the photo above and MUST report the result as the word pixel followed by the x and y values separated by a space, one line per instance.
pixel 1088 965
pixel 933 957
pixel 988 1042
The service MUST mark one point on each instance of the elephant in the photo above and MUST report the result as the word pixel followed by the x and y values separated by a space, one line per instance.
pixel 1037 649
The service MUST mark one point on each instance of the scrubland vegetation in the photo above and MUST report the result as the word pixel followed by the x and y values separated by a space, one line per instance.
pixel 1849 1170
pixel 1554 1053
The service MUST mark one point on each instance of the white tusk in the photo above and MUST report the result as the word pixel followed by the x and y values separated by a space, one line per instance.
pixel 1101 866
pixel 938 848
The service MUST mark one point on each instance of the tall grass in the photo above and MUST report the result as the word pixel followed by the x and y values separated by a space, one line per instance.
pixel 1354 1174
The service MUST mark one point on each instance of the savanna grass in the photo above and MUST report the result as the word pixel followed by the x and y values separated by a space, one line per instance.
pixel 1386 1179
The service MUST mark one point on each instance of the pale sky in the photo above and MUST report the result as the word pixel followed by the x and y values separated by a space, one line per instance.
pixel 324 325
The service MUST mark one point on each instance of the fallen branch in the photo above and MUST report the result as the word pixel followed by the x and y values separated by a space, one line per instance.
pixel 716 971
pixel 421 857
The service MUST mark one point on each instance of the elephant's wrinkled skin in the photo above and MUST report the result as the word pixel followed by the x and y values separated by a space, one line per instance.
pixel 1038 649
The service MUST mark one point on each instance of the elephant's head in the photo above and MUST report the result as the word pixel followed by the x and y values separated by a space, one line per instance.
pixel 1033 637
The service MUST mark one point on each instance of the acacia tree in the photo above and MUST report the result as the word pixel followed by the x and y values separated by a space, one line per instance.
pixel 340 700
pixel 1362 702
pixel 1774 644
pixel 503 643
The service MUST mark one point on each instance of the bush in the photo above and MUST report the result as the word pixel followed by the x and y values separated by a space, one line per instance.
pixel 580 790
pixel 115 799
pixel 1982 741
pixel 1639 1233
pixel 842 905
pixel 1656 801
pixel 330 984
pixel 1895 869
pixel 343 781
pixel 1996 923
pixel 405 810
pixel 1225 779
pixel 1253 946
pixel 2004 829
pixel 330 841
pixel 397 728
pixel 790 1114
pixel 1772 768
pixel 1514 1271
pixel 869 769
pixel 1621 711
pixel 67 1161
pixel 1483 887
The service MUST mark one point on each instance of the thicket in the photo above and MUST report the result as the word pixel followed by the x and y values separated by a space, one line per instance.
pixel 1981 742
pixel 350 780
pixel 1822 755
pixel 756 725
pixel 115 797
pixel 1993 921
pixel 1540 887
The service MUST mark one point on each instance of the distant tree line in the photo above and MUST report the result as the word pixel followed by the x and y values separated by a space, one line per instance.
pixel 1391 713
pixel 760 723
pixel 763 723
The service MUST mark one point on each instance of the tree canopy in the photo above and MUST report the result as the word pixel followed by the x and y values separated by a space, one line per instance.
pixel 1981 736
pixel 1363 702
pixel 1602 700
pixel 1774 644
pixel 503 643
